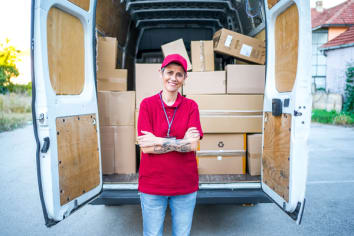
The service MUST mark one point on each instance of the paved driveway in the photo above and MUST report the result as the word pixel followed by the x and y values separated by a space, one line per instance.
pixel 329 208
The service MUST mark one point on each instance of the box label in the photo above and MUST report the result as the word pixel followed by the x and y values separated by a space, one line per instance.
pixel 246 50
pixel 228 41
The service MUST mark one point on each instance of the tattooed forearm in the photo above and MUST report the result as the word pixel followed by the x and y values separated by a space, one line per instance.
pixel 179 145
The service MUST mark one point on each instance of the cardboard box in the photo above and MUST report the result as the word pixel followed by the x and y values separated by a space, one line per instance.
pixel 107 51
pixel 222 154
pixel 118 150
pixel 147 81
pixel 177 46
pixel 230 113
pixel 118 82
pixel 231 123
pixel 202 56
pixel 116 108
pixel 251 103
pixel 240 46
pixel 109 78
pixel 212 82
pixel 254 153
pixel 245 79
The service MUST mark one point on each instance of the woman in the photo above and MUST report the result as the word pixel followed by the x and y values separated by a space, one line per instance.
pixel 169 130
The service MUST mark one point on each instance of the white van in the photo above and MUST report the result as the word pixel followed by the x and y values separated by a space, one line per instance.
pixel 65 114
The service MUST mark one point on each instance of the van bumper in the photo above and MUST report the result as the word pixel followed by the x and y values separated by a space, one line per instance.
pixel 204 196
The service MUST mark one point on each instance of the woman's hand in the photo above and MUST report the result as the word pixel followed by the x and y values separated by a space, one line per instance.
pixel 192 134
pixel 148 139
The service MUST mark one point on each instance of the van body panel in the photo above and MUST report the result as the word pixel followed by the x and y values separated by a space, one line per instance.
pixel 72 111
pixel 287 104
pixel 64 109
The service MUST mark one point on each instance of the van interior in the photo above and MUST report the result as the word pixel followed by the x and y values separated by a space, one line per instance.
pixel 142 26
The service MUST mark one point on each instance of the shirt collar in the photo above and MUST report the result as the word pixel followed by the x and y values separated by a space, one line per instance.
pixel 174 105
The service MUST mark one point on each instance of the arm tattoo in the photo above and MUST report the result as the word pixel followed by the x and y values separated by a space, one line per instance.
pixel 178 145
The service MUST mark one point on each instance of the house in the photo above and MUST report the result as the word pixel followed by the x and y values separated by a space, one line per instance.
pixel 340 54
pixel 327 24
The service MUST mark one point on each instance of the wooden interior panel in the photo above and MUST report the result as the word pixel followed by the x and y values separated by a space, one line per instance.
pixel 78 157
pixel 66 58
pixel 271 3
pixel 286 48
pixel 84 4
pixel 112 19
pixel 276 153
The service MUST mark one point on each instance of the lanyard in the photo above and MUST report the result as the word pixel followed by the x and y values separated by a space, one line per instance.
pixel 168 122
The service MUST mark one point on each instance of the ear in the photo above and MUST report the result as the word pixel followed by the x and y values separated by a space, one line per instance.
pixel 160 71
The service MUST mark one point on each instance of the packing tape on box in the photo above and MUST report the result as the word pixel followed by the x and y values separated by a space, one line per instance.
pixel 205 153
pixel 230 113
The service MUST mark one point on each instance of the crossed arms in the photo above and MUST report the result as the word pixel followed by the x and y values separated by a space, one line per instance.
pixel 156 145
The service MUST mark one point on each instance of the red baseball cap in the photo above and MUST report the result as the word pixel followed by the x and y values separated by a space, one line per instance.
pixel 176 58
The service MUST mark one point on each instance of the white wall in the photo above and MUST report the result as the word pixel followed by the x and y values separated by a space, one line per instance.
pixel 337 62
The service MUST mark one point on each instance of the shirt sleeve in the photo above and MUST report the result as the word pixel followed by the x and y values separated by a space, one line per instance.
pixel 144 121
pixel 194 119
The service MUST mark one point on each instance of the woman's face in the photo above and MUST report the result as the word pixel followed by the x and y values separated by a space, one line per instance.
pixel 173 77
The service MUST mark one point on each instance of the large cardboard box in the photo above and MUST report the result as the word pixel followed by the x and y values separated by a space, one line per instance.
pixel 230 113
pixel 118 150
pixel 232 103
pixel 147 81
pixel 109 78
pixel 116 108
pixel 118 82
pixel 254 153
pixel 231 123
pixel 222 154
pixel 239 46
pixel 177 46
pixel 202 56
pixel 245 79
pixel 212 82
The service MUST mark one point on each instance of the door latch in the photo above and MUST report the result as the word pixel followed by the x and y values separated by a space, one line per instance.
pixel 277 107
pixel 46 144
pixel 297 113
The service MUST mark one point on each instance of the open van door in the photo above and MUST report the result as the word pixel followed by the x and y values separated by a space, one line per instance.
pixel 64 104
pixel 287 104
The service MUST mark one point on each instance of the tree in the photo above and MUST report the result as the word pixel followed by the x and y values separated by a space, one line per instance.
pixel 8 69
pixel 348 105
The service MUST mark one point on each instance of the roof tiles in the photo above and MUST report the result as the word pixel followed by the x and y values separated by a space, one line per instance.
pixel 342 14
pixel 344 38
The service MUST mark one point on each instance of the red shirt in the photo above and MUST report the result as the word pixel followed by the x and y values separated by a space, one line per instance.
pixel 172 173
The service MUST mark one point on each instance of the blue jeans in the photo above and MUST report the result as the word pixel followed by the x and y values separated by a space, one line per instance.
pixel 154 208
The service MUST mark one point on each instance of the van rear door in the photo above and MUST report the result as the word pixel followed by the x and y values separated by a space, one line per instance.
pixel 287 104
pixel 65 116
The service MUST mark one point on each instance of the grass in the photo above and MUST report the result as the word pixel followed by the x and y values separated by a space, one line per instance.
pixel 332 117
pixel 15 111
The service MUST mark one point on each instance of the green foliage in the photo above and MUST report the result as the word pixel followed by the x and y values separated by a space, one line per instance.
pixel 25 89
pixel 332 117
pixel 348 105
pixel 8 69
pixel 15 111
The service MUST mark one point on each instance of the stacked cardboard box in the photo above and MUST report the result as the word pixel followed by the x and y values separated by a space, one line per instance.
pixel 108 77
pixel 116 108
pixel 222 154
pixel 117 118
pixel 254 152
pixel 230 102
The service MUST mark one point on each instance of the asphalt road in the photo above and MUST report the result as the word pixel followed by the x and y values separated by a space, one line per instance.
pixel 329 207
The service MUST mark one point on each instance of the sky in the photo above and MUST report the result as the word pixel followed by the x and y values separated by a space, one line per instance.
pixel 15 20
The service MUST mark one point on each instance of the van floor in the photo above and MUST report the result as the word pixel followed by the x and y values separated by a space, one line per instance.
pixel 211 179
